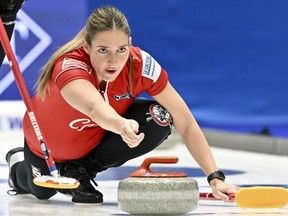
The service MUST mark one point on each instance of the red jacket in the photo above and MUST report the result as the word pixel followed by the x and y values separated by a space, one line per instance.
pixel 68 133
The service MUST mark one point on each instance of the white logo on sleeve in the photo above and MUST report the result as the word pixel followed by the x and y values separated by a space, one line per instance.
pixel 81 124
pixel 151 68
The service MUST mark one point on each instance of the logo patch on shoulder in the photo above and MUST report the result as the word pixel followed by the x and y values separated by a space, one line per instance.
pixel 69 63
pixel 151 68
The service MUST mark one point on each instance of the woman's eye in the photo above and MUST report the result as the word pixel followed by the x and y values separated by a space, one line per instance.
pixel 122 49
pixel 102 50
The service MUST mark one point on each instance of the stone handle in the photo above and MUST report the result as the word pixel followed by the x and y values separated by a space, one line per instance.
pixel 144 169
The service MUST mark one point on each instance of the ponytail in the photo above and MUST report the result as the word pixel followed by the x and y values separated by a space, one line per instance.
pixel 43 80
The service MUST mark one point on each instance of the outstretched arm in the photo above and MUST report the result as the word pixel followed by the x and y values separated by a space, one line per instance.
pixel 84 97
pixel 193 137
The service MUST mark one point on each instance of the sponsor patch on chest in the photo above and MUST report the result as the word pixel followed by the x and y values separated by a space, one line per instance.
pixel 124 96
pixel 82 124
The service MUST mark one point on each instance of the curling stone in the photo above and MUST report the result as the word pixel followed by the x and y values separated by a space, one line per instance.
pixel 146 192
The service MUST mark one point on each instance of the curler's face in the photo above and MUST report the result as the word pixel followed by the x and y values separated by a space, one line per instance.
pixel 109 52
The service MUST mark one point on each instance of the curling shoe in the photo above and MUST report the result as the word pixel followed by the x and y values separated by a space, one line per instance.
pixel 13 157
pixel 86 192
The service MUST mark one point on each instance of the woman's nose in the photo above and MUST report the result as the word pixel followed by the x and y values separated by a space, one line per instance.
pixel 112 59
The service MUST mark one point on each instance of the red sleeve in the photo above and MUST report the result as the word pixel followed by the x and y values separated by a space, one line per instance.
pixel 70 69
pixel 159 85
pixel 154 77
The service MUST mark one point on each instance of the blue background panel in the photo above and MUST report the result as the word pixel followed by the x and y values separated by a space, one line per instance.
pixel 227 58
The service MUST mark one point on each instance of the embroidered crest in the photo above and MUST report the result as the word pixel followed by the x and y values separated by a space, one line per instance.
pixel 160 115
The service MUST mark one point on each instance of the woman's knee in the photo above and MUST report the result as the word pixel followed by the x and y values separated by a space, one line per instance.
pixel 158 120
pixel 158 125
pixel 144 111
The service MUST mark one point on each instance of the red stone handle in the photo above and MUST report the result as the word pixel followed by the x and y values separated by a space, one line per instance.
pixel 144 169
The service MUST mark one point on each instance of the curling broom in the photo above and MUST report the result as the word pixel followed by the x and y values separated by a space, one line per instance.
pixel 54 180
pixel 256 197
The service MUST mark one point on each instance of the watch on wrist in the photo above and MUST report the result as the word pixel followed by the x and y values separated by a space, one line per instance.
pixel 217 174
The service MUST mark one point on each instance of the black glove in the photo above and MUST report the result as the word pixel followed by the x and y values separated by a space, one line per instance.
pixel 9 9
pixel 8 12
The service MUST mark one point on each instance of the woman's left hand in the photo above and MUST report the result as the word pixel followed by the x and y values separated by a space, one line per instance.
pixel 220 189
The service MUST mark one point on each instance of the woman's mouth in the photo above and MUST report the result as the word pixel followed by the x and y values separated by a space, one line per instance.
pixel 110 71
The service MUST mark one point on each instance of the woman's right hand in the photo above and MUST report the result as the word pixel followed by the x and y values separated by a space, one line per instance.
pixel 129 131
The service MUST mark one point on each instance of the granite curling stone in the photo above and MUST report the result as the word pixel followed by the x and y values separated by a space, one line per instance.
pixel 145 192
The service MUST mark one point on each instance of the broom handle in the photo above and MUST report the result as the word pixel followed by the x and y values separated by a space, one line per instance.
pixel 26 97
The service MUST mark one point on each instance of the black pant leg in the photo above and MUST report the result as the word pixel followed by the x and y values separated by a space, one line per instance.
pixel 154 121
pixel 24 172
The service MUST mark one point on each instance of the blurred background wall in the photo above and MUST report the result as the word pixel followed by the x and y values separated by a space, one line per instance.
pixel 227 58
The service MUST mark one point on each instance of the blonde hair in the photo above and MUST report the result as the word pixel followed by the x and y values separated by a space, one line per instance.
pixel 102 19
